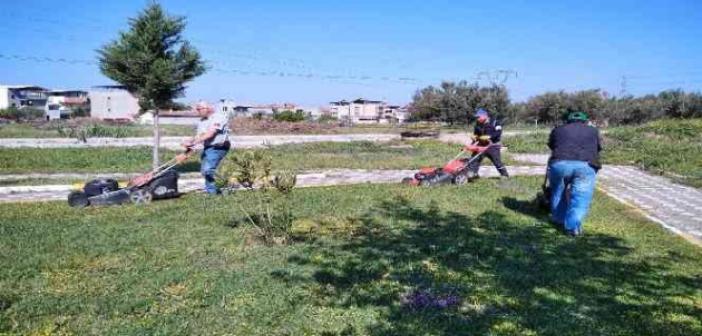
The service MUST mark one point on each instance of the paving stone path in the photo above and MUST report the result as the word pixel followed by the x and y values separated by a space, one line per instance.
pixel 307 179
pixel 464 137
pixel 674 206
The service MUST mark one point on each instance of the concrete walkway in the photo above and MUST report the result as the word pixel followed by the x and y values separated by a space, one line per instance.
pixel 238 141
pixel 674 206
pixel 307 179
pixel 79 176
pixel 464 137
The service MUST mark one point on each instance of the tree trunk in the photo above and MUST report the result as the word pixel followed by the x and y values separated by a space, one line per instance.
pixel 157 140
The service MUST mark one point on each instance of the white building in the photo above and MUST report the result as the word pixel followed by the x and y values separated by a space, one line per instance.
pixel 366 111
pixel 233 109
pixel 313 112
pixel 401 114
pixel 113 102
pixel 22 96
pixel 340 109
pixel 62 103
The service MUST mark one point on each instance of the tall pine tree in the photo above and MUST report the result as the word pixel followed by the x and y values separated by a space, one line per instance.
pixel 153 62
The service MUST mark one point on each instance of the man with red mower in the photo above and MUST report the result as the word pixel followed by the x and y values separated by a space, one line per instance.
pixel 486 141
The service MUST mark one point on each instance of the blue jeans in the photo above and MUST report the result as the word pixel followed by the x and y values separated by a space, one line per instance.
pixel 211 158
pixel 572 187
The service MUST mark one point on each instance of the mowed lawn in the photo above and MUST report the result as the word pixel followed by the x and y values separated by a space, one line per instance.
pixel 366 260
pixel 357 155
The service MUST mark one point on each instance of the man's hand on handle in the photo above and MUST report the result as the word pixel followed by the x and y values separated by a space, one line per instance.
pixel 180 158
pixel 188 143
pixel 474 148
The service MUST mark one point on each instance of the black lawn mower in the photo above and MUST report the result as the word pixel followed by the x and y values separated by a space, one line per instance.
pixel 160 183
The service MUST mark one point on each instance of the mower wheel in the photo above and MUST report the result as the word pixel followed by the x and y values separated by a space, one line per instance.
pixel 141 196
pixel 426 183
pixel 460 179
pixel 78 199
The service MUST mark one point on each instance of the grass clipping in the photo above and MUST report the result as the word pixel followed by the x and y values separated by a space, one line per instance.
pixel 270 213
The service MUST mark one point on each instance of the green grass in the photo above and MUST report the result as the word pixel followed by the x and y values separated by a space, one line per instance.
pixel 364 155
pixel 527 143
pixel 76 160
pixel 673 147
pixel 670 147
pixel 186 266
pixel 356 155
pixel 26 130
pixel 39 181
pixel 16 130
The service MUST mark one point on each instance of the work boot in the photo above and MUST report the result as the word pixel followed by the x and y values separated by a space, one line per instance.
pixel 574 233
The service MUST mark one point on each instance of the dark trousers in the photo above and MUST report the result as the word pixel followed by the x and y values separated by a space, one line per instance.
pixel 493 153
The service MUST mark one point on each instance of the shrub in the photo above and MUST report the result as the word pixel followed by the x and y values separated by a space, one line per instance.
pixel 326 118
pixel 81 112
pixel 290 116
pixel 92 130
pixel 23 114
pixel 271 214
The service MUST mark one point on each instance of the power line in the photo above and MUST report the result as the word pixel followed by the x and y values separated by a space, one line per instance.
pixel 496 77
pixel 285 62
pixel 263 73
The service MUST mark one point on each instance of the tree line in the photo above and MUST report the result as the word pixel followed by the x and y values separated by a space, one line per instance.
pixel 455 102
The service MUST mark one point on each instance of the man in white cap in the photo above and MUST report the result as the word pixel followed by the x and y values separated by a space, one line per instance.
pixel 213 134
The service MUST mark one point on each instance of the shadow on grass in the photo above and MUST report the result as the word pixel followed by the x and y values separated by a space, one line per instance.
pixel 490 275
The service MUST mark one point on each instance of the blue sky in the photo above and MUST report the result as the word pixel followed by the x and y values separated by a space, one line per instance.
pixel 313 52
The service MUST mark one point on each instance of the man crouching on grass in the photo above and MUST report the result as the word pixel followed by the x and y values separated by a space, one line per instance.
pixel 213 134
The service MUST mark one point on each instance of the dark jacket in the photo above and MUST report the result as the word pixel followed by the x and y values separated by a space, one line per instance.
pixel 576 141
pixel 491 129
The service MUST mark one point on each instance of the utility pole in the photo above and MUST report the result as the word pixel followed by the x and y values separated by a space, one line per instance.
pixel 684 97
pixel 622 93
pixel 496 78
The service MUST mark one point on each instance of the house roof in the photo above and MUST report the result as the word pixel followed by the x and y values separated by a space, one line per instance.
pixel 367 101
pixel 25 87
pixel 66 91
pixel 109 87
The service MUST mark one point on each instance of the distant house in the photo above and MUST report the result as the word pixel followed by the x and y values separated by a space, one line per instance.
pixel 23 96
pixel 401 114
pixel 311 111
pixel 340 109
pixel 112 102
pixel 63 103
pixel 271 109
pixel 233 109
pixel 366 111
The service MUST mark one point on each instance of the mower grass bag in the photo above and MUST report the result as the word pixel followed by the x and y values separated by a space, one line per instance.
pixel 106 192
pixel 100 186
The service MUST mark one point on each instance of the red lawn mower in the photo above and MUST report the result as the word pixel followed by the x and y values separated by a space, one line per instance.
pixel 455 171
